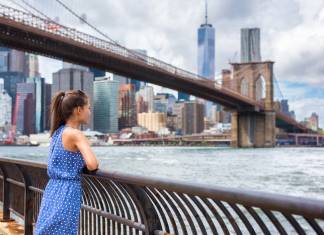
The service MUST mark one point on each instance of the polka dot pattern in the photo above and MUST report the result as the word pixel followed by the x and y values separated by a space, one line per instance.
pixel 59 211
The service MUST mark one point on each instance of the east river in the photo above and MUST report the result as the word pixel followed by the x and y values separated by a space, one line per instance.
pixel 290 171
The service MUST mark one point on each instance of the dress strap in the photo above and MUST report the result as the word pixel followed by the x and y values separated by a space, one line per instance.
pixel 57 137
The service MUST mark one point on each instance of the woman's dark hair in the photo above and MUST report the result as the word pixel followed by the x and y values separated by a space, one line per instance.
pixel 63 104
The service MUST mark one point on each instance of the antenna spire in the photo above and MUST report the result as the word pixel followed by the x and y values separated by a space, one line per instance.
pixel 206 16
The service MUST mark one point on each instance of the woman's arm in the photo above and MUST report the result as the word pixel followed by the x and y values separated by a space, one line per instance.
pixel 83 144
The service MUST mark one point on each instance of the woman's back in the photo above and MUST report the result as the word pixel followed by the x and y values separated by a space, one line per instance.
pixel 63 163
pixel 61 201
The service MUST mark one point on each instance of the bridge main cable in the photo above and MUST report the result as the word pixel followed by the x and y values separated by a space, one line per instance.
pixel 96 29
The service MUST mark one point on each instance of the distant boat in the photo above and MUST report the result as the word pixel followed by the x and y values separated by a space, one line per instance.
pixel 103 144
pixel 44 144
pixel 33 143
pixel 19 145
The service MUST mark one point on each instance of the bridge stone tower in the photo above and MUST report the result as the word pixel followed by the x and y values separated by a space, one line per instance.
pixel 254 128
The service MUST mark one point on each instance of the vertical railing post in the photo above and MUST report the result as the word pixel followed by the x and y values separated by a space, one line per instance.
pixel 28 203
pixel 5 197
pixel 151 218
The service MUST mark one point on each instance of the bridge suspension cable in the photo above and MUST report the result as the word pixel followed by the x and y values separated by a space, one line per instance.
pixel 72 12
pixel 38 12
pixel 30 11
pixel 97 30
pixel 34 9
pixel 278 87
pixel 85 21
pixel 19 5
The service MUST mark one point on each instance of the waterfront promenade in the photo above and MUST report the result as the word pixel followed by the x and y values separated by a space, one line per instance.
pixel 10 227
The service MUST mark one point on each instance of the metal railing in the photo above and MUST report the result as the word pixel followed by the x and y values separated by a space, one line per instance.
pixel 118 203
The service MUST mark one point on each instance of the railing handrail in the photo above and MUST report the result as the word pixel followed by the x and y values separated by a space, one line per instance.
pixel 272 201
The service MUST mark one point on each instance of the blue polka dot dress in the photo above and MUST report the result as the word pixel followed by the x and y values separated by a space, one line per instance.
pixel 61 201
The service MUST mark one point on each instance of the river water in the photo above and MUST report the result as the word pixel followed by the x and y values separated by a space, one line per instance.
pixel 291 171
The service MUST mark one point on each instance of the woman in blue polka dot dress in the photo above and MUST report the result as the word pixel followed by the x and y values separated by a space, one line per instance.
pixel 70 152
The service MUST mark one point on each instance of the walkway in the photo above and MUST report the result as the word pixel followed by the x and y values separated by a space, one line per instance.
pixel 10 228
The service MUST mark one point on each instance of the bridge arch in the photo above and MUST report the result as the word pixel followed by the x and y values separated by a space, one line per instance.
pixel 244 86
pixel 255 80
pixel 260 88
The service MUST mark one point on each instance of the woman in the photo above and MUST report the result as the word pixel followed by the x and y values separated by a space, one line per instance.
pixel 69 154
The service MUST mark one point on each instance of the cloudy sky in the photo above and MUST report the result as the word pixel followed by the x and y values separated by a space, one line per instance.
pixel 292 35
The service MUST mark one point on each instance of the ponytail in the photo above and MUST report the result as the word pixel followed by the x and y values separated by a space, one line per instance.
pixel 62 105
pixel 57 118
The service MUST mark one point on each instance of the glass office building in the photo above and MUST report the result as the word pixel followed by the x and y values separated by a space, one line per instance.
pixel 206 56
pixel 106 105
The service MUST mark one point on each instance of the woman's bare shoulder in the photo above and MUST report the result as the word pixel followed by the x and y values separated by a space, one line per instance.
pixel 72 133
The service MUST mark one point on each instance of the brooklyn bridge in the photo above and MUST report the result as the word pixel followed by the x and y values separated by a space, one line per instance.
pixel 254 116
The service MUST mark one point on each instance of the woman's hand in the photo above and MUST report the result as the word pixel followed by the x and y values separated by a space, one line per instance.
pixel 87 171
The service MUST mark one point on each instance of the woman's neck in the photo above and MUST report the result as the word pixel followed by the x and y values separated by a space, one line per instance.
pixel 73 125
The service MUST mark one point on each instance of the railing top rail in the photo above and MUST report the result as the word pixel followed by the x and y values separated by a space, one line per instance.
pixel 290 204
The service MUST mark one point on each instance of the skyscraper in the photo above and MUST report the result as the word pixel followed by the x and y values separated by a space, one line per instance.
pixel 179 120
pixel 250 45
pixel 312 122
pixel 206 49
pixel 4 59
pixel 48 96
pixel 25 109
pixel 106 105
pixel 284 106
pixel 160 105
pixel 40 102
pixel 17 61
pixel 167 98
pixel 193 117
pixel 75 78
pixel 145 96
pixel 206 54
pixel 127 106
pixel 32 66
pixel 5 104
pixel 12 60
pixel 10 81
pixel 152 121
pixel 121 79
